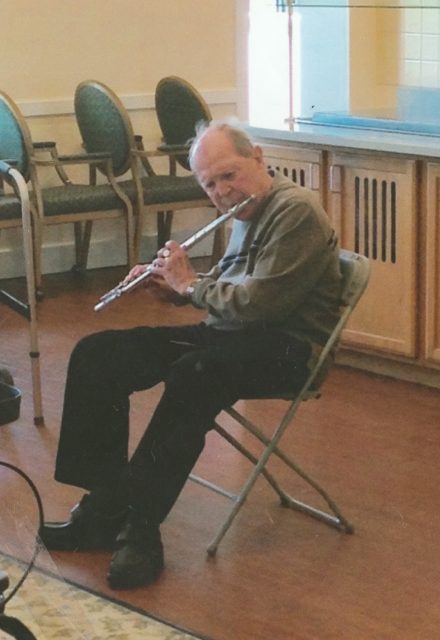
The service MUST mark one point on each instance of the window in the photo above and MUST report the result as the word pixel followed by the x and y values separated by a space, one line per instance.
pixel 374 59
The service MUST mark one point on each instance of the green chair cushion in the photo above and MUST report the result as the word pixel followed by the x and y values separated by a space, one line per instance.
pixel 10 208
pixel 78 198
pixel 73 199
pixel 162 189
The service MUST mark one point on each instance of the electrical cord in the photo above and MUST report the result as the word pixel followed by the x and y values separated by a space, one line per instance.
pixel 38 545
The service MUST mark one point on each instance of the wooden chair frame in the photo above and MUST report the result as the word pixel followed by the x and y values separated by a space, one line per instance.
pixel 144 176
pixel 35 155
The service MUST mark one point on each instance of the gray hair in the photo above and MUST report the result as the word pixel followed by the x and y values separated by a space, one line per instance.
pixel 236 134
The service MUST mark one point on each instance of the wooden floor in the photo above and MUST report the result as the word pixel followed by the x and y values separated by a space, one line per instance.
pixel 374 443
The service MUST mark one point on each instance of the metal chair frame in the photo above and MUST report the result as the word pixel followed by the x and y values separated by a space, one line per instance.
pixel 355 272
pixel 29 309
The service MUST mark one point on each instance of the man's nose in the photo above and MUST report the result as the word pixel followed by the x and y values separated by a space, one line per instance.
pixel 223 189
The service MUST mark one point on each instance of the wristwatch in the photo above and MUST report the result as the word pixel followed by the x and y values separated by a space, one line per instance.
pixel 190 288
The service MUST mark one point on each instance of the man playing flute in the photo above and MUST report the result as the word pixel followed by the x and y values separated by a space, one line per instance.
pixel 271 302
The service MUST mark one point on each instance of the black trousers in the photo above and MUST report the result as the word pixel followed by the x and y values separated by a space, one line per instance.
pixel 204 370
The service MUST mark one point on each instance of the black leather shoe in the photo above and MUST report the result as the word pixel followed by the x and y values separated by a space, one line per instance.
pixel 86 530
pixel 138 559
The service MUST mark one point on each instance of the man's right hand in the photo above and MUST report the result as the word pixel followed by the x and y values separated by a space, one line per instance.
pixel 134 273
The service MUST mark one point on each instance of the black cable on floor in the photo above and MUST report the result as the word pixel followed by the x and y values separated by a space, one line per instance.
pixel 38 545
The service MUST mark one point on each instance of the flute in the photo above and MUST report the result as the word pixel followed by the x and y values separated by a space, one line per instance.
pixel 121 288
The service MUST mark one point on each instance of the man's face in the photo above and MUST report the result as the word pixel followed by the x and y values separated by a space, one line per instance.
pixel 227 177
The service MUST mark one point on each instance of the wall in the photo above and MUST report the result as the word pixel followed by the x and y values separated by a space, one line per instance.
pixel 420 45
pixel 373 58
pixel 49 46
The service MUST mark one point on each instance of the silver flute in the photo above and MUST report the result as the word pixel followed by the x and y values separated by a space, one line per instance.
pixel 121 288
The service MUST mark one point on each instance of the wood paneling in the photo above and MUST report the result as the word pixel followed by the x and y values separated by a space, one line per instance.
pixel 301 165
pixel 432 280
pixel 372 201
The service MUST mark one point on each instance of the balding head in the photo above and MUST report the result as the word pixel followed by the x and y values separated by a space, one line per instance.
pixel 238 138
pixel 229 167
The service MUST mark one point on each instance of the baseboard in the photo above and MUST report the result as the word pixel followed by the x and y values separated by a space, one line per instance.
pixel 407 371
pixel 59 257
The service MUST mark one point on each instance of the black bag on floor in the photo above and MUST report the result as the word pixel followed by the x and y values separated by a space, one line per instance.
pixel 10 398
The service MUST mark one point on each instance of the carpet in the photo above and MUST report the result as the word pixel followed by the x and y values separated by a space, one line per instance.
pixel 54 609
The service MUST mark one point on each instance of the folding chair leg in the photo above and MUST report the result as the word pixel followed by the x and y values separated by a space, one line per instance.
pixel 241 498
pixel 337 520
pixel 245 452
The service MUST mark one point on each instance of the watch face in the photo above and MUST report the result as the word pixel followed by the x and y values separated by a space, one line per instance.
pixel 190 288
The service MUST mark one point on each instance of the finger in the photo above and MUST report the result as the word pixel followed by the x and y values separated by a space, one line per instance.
pixel 163 253
pixel 158 264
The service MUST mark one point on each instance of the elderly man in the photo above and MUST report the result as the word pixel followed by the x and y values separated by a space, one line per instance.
pixel 271 301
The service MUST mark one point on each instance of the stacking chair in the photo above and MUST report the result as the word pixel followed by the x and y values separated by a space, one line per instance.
pixel 355 274
pixel 16 206
pixel 179 107
pixel 95 105
pixel 68 202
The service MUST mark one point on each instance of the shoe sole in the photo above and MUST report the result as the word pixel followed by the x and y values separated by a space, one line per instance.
pixel 55 544
pixel 125 582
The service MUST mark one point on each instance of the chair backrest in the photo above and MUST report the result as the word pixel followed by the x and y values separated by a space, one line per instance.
pixel 179 107
pixel 355 270
pixel 104 123
pixel 15 137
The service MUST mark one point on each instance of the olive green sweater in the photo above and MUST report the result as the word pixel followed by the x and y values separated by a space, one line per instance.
pixel 280 269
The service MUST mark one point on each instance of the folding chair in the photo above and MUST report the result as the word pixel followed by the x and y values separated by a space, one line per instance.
pixel 355 274
pixel 20 201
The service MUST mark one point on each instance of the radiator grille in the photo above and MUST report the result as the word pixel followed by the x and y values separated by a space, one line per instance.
pixel 297 174
pixel 375 219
